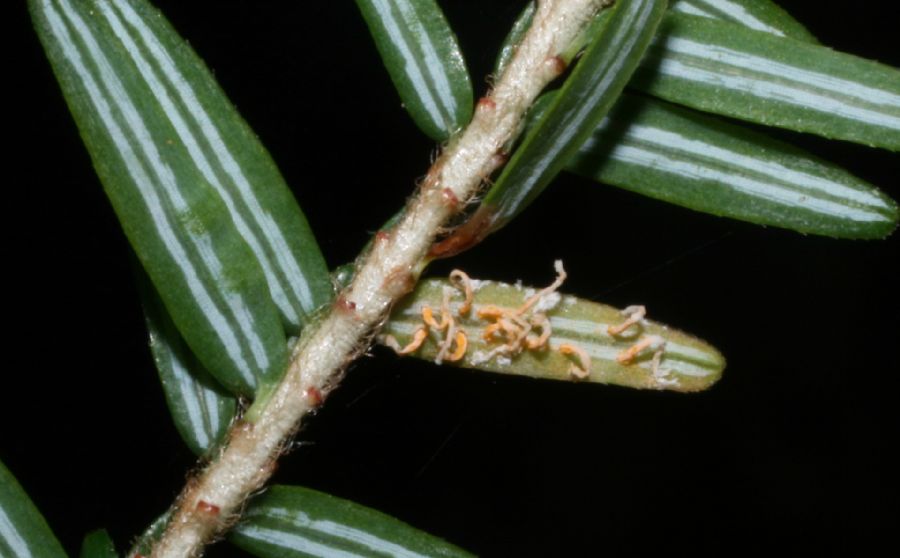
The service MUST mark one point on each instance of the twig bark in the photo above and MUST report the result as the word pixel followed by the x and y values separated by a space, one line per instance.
pixel 390 270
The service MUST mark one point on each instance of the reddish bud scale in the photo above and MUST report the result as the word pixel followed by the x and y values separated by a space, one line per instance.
pixel 382 236
pixel 399 280
pixel 205 507
pixel 269 468
pixel 345 305
pixel 486 103
pixel 450 198
pixel 241 426
pixel 499 159
pixel 557 64
pixel 465 236
pixel 314 396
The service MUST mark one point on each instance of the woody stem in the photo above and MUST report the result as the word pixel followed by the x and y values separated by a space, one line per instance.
pixel 389 271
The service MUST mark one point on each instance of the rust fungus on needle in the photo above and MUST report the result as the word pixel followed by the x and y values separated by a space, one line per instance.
pixel 582 369
pixel 461 281
pixel 419 337
pixel 635 316
pixel 519 329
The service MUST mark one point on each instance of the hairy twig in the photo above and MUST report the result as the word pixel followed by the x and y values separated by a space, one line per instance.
pixel 388 271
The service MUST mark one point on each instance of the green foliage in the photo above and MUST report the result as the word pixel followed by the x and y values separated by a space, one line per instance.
pixel 717 167
pixel 425 62
pixel 205 209
pixel 235 272
pixel 23 531
pixel 588 94
pixel 689 364
pixel 144 543
pixel 201 408
pixel 98 544
pixel 690 159
pixel 759 15
pixel 727 69
pixel 293 522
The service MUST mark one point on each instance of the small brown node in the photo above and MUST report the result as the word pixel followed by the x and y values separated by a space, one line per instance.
pixel 499 159
pixel 241 429
pixel 486 103
pixel 450 198
pixel 314 396
pixel 399 280
pixel 557 64
pixel 345 305
pixel 205 507
pixel 269 468
pixel 382 236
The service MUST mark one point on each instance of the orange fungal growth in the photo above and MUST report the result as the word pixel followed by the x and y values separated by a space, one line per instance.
pixel 512 330
pixel 490 330
pixel 446 314
pixel 428 318
pixel 462 343
pixel 455 342
pixel 582 369
pixel 628 355
pixel 635 315
pixel 418 338
pixel 490 312
pixel 524 328
pixel 463 282
pixel 457 338
pixel 533 342
pixel 652 342
pixel 561 276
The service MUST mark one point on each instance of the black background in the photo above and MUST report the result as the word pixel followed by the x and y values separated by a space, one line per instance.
pixel 793 450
